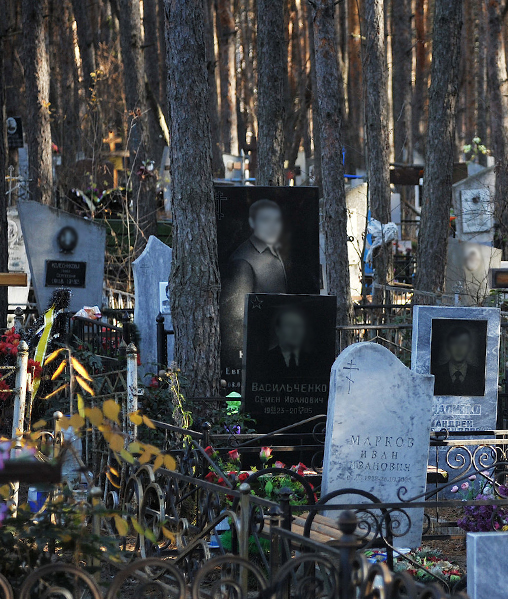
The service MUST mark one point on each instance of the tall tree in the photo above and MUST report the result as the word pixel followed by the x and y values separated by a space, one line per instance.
pixel 211 65
pixel 331 111
pixel 402 67
pixel 420 92
pixel 355 130
pixel 316 120
pixel 85 44
pixel 194 281
pixel 142 179
pixel 481 80
pixel 38 129
pixel 402 95
pixel 226 37
pixel 4 247
pixel 498 93
pixel 272 76
pixel 437 181
pixel 378 141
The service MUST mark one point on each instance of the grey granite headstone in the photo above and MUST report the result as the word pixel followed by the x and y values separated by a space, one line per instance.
pixel 474 333
pixel 486 565
pixel 151 269
pixel 467 270
pixel 63 250
pixel 377 431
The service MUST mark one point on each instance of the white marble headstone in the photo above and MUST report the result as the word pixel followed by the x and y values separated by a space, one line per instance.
pixel 18 260
pixel 78 266
pixel 151 268
pixel 377 431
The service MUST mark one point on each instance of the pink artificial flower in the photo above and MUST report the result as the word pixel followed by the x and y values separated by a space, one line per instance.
pixel 279 465
pixel 265 454
pixel 234 456
pixel 472 477
pixel 464 486
pixel 454 489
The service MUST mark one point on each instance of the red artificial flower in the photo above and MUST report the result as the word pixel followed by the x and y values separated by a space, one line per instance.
pixel 221 482
pixel 234 456
pixel 211 477
pixel 154 383
pixel 243 476
pixel 279 465
pixel 36 367
pixel 209 451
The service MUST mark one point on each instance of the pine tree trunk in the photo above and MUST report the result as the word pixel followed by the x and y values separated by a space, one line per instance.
pixel 4 247
pixel 481 81
pixel 226 40
pixel 194 281
pixel 316 120
pixel 437 182
pixel 38 128
pixel 420 93
pixel 85 44
pixel 355 158
pixel 498 94
pixel 152 72
pixel 142 181
pixel 378 141
pixel 211 64
pixel 331 111
pixel 272 75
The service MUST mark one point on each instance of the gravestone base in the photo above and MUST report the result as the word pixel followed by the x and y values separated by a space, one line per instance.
pixel 486 565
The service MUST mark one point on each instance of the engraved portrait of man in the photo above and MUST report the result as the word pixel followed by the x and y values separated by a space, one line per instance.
pixel 458 358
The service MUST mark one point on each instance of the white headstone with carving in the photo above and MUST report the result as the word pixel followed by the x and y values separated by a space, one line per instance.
pixel 377 432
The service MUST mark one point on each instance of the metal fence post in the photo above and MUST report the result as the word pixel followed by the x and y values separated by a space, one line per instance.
pixel 162 343
pixel 18 419
pixel 275 542
pixel 244 534
pixel 132 387
pixel 95 495
pixel 348 545
pixel 19 320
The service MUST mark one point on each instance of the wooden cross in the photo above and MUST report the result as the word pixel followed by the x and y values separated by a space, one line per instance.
pixel 13 279
pixel 112 140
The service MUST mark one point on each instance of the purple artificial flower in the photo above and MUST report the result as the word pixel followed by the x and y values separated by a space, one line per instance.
pixel 503 490
pixel 454 489
pixel 472 477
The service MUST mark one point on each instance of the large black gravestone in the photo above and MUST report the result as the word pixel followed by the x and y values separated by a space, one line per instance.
pixel 268 242
pixel 289 350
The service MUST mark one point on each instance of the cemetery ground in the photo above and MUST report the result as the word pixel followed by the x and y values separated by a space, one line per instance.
pixel 117 484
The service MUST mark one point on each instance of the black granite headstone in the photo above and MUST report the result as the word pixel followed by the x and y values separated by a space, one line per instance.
pixel 289 350
pixel 268 242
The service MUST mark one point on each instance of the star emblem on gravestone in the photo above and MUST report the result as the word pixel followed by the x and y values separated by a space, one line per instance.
pixel 256 303
pixel 349 377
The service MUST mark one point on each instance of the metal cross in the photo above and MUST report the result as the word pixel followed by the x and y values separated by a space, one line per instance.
pixel 351 366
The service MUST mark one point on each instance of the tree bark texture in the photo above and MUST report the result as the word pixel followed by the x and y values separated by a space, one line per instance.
pixel 38 129
pixel 85 44
pixel 402 92
pixel 355 154
pixel 437 181
pixel 316 120
pixel 271 48
pixel 211 65
pixel 144 204
pixel 420 93
pixel 331 111
pixel 194 281
pixel 226 37
pixel 481 81
pixel 378 140
pixel 498 94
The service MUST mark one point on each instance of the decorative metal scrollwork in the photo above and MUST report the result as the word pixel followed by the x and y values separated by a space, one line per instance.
pixel 59 581
pixel 149 578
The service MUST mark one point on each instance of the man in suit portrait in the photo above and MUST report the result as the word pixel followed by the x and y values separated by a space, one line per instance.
pixel 458 376
pixel 256 266
pixel 289 357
